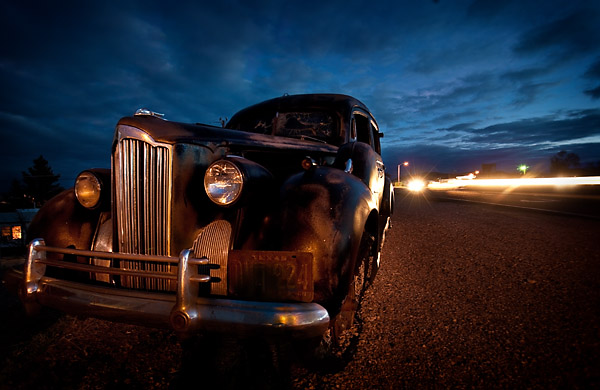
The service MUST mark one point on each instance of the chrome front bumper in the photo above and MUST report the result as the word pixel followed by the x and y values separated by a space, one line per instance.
pixel 184 311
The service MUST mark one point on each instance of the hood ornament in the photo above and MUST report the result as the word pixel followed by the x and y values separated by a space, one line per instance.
pixel 147 112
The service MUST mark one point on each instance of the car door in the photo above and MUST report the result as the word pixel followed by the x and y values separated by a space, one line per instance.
pixel 367 132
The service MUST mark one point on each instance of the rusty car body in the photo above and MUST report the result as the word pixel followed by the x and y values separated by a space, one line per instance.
pixel 271 225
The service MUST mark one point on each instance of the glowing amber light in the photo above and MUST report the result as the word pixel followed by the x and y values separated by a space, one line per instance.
pixel 87 189
pixel 16 232
pixel 416 185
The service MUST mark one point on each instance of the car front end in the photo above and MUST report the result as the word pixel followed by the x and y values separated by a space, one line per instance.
pixel 202 229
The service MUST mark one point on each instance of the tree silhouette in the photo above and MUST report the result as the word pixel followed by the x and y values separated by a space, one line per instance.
pixel 40 183
pixel 563 162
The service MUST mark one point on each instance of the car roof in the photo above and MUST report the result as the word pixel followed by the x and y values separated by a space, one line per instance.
pixel 343 104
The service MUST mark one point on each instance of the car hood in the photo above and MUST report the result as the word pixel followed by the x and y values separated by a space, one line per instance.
pixel 175 132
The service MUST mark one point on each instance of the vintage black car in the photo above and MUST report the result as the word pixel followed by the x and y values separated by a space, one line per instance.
pixel 272 225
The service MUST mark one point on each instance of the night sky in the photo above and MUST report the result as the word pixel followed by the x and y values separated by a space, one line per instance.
pixel 453 84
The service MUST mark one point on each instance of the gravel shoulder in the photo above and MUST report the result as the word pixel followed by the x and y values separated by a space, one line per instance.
pixel 468 296
pixel 471 296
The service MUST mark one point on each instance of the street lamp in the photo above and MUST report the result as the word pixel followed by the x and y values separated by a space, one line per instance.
pixel 523 168
pixel 405 163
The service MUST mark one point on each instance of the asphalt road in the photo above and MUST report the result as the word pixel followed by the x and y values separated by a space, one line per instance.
pixel 582 201
pixel 468 296
pixel 476 296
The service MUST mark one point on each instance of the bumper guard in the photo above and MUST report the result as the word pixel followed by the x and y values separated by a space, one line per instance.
pixel 184 312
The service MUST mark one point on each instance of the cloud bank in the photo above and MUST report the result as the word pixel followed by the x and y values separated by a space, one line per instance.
pixel 452 84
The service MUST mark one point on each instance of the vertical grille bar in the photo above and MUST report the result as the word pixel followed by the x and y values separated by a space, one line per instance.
pixel 142 200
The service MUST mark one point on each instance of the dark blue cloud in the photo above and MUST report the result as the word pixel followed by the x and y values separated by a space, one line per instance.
pixel 565 38
pixel 544 130
pixel 593 73
pixel 462 78
pixel 594 93
pixel 487 9
pixel 525 75
pixel 464 147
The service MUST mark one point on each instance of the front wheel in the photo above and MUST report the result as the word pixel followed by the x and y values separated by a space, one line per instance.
pixel 339 343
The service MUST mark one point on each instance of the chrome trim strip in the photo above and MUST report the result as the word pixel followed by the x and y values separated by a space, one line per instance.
pixel 34 267
pixel 39 247
pixel 349 166
pixel 120 271
pixel 37 262
pixel 124 131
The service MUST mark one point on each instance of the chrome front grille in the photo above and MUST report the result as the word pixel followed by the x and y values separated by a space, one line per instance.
pixel 143 177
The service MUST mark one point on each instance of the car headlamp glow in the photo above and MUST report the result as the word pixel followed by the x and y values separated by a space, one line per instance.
pixel 223 182
pixel 88 189
pixel 416 185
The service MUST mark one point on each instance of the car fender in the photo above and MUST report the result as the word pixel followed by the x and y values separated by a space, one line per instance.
pixel 64 222
pixel 324 211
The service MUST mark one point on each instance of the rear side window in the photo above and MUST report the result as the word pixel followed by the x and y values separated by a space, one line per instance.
pixel 363 129
pixel 376 135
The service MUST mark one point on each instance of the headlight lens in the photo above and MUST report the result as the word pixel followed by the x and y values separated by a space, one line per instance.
pixel 223 182
pixel 88 189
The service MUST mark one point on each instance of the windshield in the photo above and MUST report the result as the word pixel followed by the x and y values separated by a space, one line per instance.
pixel 317 125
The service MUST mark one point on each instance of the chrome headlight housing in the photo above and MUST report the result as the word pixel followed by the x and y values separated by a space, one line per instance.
pixel 88 189
pixel 223 182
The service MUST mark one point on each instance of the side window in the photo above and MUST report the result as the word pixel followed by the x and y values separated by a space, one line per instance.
pixel 363 129
pixel 352 130
pixel 376 136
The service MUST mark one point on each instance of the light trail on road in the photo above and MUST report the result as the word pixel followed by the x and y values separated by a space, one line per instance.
pixel 516 183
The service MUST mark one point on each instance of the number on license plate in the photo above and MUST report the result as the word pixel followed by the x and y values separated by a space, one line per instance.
pixel 265 275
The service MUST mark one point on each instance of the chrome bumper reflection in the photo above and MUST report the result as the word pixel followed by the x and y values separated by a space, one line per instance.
pixel 184 312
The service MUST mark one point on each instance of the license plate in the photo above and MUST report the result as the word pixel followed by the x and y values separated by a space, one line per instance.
pixel 271 276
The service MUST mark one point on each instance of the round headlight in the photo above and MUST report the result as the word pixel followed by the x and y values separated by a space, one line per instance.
pixel 88 189
pixel 223 182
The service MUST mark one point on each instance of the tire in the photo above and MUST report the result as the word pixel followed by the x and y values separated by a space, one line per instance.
pixel 372 259
pixel 337 346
